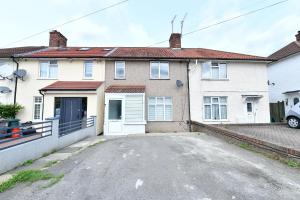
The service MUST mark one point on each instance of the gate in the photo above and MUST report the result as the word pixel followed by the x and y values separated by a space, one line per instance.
pixel 277 111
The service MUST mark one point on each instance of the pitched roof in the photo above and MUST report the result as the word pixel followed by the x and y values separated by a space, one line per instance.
pixel 70 52
pixel 183 53
pixel 140 53
pixel 8 52
pixel 73 85
pixel 288 50
pixel 125 89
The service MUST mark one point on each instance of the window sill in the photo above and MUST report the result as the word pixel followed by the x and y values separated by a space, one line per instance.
pixel 160 121
pixel 135 123
pixel 87 78
pixel 222 120
pixel 119 79
pixel 159 79
pixel 210 79
pixel 47 78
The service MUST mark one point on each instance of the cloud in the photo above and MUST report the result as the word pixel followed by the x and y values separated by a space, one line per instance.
pixel 138 35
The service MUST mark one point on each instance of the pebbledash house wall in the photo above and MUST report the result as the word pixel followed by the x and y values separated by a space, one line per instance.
pixel 68 70
pixel 137 72
pixel 244 78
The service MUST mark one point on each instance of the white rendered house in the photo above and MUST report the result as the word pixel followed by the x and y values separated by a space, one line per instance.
pixel 229 91
pixel 283 72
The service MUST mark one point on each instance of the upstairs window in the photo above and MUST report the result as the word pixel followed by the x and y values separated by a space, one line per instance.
pixel 159 70
pixel 120 70
pixel 48 69
pixel 88 69
pixel 214 70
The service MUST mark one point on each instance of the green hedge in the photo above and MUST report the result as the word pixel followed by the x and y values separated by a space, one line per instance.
pixel 9 111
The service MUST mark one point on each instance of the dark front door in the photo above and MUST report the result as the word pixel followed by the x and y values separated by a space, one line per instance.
pixel 71 109
pixel 71 113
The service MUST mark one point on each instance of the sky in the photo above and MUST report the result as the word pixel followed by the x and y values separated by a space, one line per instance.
pixel 145 22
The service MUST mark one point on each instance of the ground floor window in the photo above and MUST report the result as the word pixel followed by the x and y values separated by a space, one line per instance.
pixel 160 109
pixel 37 108
pixel 215 108
pixel 134 108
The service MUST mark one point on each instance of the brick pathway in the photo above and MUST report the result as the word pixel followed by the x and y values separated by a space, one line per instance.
pixel 278 134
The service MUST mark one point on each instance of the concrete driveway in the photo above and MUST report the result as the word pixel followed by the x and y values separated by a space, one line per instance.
pixel 166 167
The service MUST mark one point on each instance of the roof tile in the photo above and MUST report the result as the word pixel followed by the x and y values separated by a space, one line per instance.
pixel 73 85
pixel 125 89
pixel 290 49
pixel 8 52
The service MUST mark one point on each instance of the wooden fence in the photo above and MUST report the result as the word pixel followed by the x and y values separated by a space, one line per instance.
pixel 277 111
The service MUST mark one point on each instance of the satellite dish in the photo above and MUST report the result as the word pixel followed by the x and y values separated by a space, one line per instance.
pixel 4 90
pixel 20 73
pixel 179 83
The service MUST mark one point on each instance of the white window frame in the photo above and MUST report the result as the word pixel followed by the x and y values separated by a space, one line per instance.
pixel 124 76
pixel 159 76
pixel 211 109
pixel 84 69
pixel 214 65
pixel 41 108
pixel 164 105
pixel 48 69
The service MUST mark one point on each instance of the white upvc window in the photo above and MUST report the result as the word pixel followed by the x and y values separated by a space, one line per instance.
pixel 214 70
pixel 48 69
pixel 134 108
pixel 120 70
pixel 215 108
pixel 160 109
pixel 159 70
pixel 88 69
pixel 37 108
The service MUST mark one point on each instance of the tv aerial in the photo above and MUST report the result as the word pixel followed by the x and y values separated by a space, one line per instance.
pixel 172 22
pixel 181 22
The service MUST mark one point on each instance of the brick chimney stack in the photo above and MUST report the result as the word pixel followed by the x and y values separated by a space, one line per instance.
pixel 298 36
pixel 175 41
pixel 57 39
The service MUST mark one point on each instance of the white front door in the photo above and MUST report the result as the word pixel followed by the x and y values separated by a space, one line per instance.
pixel 250 111
pixel 115 117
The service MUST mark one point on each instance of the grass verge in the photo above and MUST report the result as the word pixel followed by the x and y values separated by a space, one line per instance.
pixel 29 176
pixel 51 163
pixel 48 153
pixel 287 161
pixel 26 163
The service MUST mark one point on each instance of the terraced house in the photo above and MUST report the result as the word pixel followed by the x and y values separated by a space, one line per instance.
pixel 141 89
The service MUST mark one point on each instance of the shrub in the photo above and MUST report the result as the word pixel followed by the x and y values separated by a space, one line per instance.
pixel 9 111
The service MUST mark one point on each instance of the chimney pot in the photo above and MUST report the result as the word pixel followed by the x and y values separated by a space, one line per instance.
pixel 298 36
pixel 175 41
pixel 57 39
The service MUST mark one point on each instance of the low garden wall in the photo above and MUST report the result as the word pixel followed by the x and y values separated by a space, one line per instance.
pixel 15 155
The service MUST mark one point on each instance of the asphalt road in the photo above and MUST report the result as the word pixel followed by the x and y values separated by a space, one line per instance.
pixel 166 167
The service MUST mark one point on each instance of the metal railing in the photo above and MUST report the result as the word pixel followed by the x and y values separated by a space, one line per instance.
pixel 26 132
pixel 72 126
